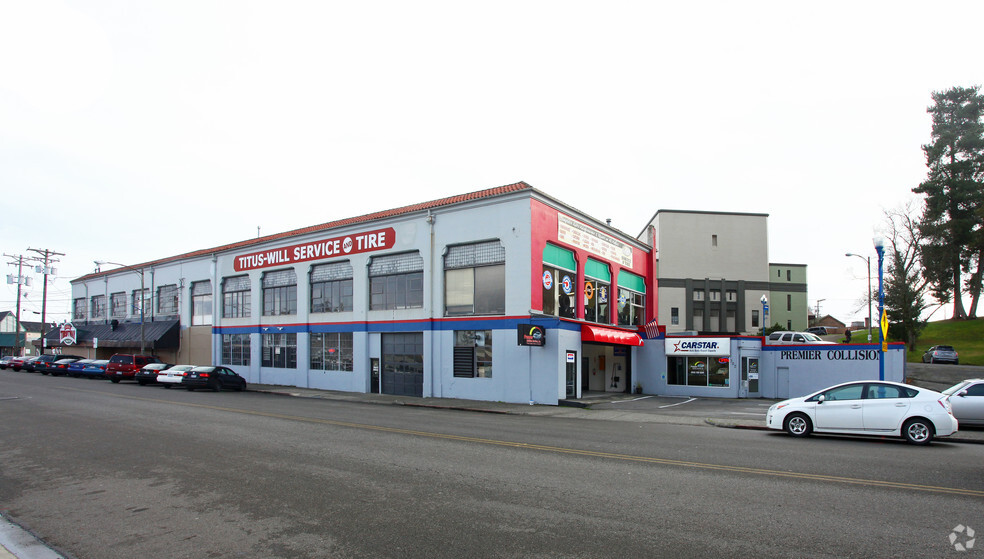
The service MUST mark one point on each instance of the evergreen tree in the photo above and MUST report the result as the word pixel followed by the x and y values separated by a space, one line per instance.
pixel 904 288
pixel 954 187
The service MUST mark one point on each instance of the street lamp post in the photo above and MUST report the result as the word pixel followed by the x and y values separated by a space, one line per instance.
pixel 143 300
pixel 867 260
pixel 765 311
pixel 879 243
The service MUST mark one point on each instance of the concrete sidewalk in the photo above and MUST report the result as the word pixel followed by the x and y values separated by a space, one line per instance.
pixel 716 412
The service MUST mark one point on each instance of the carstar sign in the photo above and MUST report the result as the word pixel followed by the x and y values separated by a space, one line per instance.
pixel 380 239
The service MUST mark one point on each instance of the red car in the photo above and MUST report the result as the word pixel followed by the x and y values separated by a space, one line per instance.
pixel 125 366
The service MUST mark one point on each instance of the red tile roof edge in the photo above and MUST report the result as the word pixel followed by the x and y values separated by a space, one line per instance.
pixel 439 203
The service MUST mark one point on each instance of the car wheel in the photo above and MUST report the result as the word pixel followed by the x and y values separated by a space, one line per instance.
pixel 115 380
pixel 917 431
pixel 216 386
pixel 142 382
pixel 798 425
pixel 168 386
pixel 956 361
pixel 240 388
pixel 190 389
pixel 44 373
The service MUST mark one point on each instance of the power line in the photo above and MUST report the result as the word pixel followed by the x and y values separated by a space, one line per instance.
pixel 46 259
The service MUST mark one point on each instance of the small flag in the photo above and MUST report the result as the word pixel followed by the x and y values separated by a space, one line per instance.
pixel 652 329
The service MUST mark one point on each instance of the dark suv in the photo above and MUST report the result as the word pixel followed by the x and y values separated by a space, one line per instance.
pixel 125 366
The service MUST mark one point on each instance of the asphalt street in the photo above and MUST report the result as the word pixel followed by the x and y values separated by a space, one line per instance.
pixel 103 470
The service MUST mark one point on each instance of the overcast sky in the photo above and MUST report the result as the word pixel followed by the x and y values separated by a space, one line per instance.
pixel 131 131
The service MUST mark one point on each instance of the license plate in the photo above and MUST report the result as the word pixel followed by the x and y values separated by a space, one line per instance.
pixel 119 373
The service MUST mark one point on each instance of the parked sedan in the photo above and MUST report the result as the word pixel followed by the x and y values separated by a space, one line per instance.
pixel 5 361
pixel 867 408
pixel 215 378
pixel 96 369
pixel 23 363
pixel 148 373
pixel 60 367
pixel 967 401
pixel 941 354
pixel 76 367
pixel 173 375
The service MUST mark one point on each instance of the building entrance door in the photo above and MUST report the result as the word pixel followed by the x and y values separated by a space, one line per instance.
pixel 571 373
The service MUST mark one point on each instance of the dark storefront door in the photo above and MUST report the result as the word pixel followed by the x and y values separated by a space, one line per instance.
pixel 403 364
pixel 571 373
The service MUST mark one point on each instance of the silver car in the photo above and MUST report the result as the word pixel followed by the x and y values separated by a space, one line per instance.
pixel 967 401
pixel 941 354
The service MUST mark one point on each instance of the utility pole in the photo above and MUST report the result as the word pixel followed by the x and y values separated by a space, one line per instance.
pixel 45 259
pixel 21 279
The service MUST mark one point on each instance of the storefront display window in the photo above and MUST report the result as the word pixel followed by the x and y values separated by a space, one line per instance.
pixel 631 299
pixel 698 371
pixel 331 351
pixel 597 292
pixel 473 353
pixel 280 351
pixel 235 349
pixel 559 281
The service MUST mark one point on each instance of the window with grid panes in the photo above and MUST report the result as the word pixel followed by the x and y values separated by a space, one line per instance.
pixel 117 304
pixel 236 297
pixel 167 299
pixel 78 309
pixel 135 303
pixel 473 353
pixel 279 292
pixel 98 307
pixel 396 281
pixel 280 351
pixel 201 303
pixel 235 349
pixel 475 279
pixel 331 351
pixel 331 287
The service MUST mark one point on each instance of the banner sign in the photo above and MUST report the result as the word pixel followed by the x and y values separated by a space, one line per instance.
pixel 531 335
pixel 584 236
pixel 67 334
pixel 698 346
pixel 379 239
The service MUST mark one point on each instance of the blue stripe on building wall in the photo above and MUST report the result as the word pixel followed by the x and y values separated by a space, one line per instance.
pixel 444 324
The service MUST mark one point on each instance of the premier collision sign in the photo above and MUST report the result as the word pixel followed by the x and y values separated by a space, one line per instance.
pixel 379 239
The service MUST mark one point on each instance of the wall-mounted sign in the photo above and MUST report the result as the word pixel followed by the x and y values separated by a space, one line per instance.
pixel 568 284
pixel 531 335
pixel 583 236
pixel 379 239
pixel 571 356
pixel 547 280
pixel 67 334
pixel 698 346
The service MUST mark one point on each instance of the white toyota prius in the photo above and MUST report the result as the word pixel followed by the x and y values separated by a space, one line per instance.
pixel 867 408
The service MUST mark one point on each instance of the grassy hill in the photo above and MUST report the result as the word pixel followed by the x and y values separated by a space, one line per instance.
pixel 966 336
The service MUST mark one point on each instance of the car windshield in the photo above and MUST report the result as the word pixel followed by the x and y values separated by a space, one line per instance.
pixel 812 337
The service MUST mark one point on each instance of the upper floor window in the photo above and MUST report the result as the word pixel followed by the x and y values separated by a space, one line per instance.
pixel 559 281
pixel 597 291
pixel 396 281
pixel 475 279
pixel 136 304
pixel 167 299
pixel 698 294
pixel 715 295
pixel 674 315
pixel 78 309
pixel 631 299
pixel 98 307
pixel 117 304
pixel 236 297
pixel 731 295
pixel 279 292
pixel 331 287
pixel 201 303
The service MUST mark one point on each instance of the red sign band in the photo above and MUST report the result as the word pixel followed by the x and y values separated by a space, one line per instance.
pixel 380 239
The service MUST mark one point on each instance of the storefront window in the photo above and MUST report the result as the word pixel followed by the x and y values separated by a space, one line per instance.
pixel 597 292
pixel 631 299
pixel 559 281
pixel 698 371
pixel 473 353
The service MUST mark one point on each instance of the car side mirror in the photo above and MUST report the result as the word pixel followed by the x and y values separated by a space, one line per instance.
pixel 821 399
pixel 962 393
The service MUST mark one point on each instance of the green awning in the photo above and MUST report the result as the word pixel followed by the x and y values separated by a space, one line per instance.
pixel 631 281
pixel 562 258
pixel 597 270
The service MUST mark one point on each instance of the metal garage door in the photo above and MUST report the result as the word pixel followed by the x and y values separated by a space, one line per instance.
pixel 403 364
